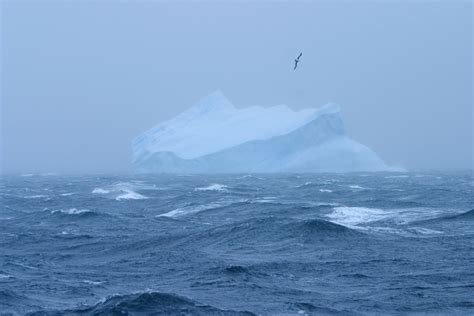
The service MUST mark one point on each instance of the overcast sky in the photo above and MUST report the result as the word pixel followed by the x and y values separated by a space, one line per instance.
pixel 81 80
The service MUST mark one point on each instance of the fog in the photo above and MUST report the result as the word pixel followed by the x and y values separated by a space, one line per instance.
pixel 80 80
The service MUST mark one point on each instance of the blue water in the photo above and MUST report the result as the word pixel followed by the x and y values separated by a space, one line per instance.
pixel 237 244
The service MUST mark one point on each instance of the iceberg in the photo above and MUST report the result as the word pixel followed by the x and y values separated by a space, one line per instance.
pixel 213 136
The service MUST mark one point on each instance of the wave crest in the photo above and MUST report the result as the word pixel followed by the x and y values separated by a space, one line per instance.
pixel 192 209
pixel 123 191
pixel 213 187
pixel 272 230
pixel 73 211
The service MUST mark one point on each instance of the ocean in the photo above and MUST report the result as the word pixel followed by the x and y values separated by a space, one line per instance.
pixel 242 244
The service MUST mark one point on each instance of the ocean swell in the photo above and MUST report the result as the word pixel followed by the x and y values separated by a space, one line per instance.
pixel 145 303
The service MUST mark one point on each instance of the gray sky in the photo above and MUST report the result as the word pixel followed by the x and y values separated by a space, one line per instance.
pixel 80 80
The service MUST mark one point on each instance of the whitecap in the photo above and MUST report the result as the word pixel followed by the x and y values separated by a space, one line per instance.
pixel 425 231
pixel 323 204
pixel 353 216
pixel 67 194
pixel 35 196
pixel 360 216
pixel 192 209
pixel 357 187
pixel 93 282
pixel 213 187
pixel 325 190
pixel 5 276
pixel 265 199
pixel 72 211
pixel 130 195
pixel 123 191
pixel 100 191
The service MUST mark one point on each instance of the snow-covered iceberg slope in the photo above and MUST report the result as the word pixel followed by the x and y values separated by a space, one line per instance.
pixel 214 136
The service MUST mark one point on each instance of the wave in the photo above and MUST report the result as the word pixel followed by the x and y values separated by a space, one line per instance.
pixel 311 184
pixel 39 196
pixel 304 184
pixel 465 216
pixel 213 187
pixel 469 215
pixel 393 221
pixel 131 195
pixel 356 187
pixel 192 209
pixel 100 191
pixel 311 231
pixel 353 216
pixel 124 191
pixel 74 212
pixel 5 276
pixel 147 303
pixel 236 269
pixel 93 282
pixel 360 216
pixel 322 227
pixel 271 230
pixel 69 236
pixel 265 199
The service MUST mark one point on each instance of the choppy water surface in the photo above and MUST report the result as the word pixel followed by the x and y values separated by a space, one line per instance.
pixel 237 244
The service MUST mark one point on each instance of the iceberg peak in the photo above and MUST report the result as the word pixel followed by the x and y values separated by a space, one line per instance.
pixel 215 101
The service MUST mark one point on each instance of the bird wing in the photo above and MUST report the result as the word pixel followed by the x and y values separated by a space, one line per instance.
pixel 300 55
pixel 296 64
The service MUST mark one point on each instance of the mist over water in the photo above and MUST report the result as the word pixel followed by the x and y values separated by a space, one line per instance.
pixel 75 94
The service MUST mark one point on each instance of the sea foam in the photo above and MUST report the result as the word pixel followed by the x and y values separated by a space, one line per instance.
pixel 213 187
pixel 72 211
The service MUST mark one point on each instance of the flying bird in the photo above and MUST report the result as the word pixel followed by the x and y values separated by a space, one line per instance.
pixel 297 61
